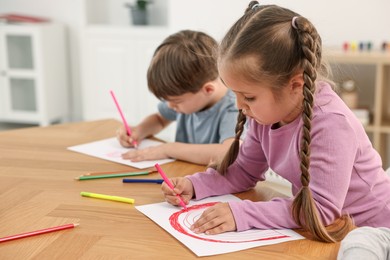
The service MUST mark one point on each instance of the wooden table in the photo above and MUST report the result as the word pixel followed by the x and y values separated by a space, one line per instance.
pixel 38 190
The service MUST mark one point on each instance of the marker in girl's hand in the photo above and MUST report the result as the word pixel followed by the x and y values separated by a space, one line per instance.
pixel 168 182
pixel 128 130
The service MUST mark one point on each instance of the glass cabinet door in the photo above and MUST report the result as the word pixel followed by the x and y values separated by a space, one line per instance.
pixel 19 51
pixel 22 94
pixel 21 84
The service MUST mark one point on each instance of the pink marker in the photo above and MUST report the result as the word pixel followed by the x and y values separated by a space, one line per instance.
pixel 123 118
pixel 169 183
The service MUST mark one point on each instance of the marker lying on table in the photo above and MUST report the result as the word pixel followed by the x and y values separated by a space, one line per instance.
pixel 112 175
pixel 106 197
pixel 37 232
pixel 128 130
pixel 157 181
pixel 168 182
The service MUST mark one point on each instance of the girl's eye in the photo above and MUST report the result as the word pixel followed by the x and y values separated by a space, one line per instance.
pixel 249 99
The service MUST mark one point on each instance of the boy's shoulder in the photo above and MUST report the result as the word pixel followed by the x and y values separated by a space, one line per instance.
pixel 230 100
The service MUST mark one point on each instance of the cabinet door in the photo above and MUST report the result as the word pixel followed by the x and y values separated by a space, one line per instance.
pixel 19 84
pixel 143 102
pixel 120 63
pixel 106 68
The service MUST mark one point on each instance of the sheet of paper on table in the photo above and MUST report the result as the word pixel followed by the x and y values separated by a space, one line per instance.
pixel 110 149
pixel 177 222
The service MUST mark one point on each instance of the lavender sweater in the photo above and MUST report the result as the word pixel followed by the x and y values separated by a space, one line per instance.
pixel 346 172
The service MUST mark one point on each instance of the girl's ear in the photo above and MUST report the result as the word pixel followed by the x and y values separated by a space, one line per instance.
pixel 296 83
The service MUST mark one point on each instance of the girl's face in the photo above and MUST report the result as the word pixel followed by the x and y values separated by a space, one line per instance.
pixel 260 103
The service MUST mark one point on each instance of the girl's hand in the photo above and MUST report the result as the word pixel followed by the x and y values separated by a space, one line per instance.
pixel 150 153
pixel 183 188
pixel 215 220
pixel 124 139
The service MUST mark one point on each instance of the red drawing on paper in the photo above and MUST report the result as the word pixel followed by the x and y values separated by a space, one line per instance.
pixel 115 154
pixel 183 219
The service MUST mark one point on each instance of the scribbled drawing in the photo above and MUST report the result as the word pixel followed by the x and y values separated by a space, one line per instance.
pixel 114 154
pixel 111 150
pixel 183 219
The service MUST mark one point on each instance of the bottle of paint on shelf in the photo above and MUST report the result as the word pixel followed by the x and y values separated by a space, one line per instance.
pixel 349 93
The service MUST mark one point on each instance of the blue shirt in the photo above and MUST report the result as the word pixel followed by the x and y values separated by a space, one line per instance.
pixel 212 125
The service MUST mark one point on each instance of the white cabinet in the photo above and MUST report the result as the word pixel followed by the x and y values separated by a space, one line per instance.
pixel 33 73
pixel 117 59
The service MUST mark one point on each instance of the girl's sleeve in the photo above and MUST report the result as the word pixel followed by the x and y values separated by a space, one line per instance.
pixel 249 168
pixel 333 150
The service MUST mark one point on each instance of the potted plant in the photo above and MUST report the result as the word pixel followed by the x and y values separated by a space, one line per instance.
pixel 139 11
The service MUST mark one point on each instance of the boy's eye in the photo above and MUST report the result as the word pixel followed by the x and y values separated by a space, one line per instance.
pixel 249 99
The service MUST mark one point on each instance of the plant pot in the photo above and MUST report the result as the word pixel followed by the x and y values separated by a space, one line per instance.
pixel 139 16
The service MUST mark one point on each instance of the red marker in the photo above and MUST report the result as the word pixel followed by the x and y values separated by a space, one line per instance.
pixel 37 232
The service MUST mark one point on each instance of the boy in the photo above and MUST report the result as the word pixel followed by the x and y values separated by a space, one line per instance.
pixel 183 74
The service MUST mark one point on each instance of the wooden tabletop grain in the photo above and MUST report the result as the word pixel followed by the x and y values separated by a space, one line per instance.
pixel 38 190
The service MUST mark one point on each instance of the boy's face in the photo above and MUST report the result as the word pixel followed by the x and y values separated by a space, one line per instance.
pixel 188 103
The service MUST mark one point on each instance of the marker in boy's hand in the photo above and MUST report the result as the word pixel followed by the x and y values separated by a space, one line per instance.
pixel 127 127
pixel 124 139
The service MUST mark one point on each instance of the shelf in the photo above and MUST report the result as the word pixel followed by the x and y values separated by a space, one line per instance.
pixel 114 12
pixel 371 72
pixel 354 57
pixel 369 128
pixel 385 129
pixel 122 30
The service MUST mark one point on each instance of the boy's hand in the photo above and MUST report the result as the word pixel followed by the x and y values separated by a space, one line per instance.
pixel 183 187
pixel 215 220
pixel 124 139
pixel 149 153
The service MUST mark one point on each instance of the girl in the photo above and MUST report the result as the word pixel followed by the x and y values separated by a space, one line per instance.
pixel 299 127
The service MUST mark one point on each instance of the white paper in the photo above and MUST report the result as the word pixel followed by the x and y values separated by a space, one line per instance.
pixel 111 150
pixel 177 221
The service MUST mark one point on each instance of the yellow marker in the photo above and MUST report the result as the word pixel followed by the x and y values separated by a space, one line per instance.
pixel 106 197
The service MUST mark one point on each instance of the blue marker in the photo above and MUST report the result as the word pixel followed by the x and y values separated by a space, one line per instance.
pixel 157 181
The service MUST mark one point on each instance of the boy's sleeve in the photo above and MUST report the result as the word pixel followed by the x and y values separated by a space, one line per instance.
pixel 228 125
pixel 166 112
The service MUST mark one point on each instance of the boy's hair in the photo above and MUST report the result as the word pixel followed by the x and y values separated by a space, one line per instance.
pixel 182 63
pixel 278 44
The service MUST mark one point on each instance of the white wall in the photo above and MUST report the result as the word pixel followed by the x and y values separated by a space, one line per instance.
pixel 336 21
pixel 346 20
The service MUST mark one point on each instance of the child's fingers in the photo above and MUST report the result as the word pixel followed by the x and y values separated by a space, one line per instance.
pixel 172 195
pixel 215 220
pixel 169 194
pixel 133 139
pixel 183 187
pixel 167 191
pixel 122 137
